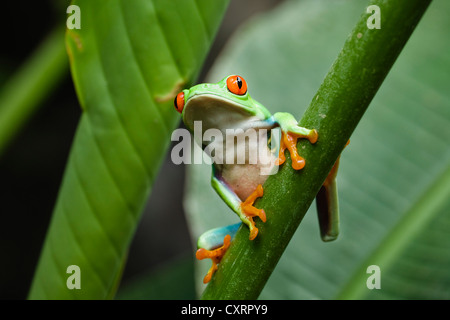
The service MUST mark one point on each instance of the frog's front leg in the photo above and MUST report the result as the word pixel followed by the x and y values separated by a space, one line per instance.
pixel 244 209
pixel 291 131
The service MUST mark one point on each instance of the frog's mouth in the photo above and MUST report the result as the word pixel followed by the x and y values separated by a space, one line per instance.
pixel 215 112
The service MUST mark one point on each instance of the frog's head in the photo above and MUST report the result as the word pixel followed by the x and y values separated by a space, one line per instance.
pixel 218 105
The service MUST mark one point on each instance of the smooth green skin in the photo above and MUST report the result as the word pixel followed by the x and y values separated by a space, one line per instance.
pixel 128 61
pixel 241 111
pixel 335 111
pixel 243 103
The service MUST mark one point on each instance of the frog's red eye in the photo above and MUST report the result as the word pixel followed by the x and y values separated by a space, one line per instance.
pixel 179 102
pixel 237 85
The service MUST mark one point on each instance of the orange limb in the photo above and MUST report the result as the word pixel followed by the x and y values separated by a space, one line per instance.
pixel 215 255
pixel 289 141
pixel 333 172
pixel 250 211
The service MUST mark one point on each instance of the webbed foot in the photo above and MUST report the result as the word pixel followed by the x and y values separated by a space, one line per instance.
pixel 215 255
pixel 289 141
pixel 249 211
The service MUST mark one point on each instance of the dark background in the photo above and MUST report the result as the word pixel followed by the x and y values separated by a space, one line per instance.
pixel 32 166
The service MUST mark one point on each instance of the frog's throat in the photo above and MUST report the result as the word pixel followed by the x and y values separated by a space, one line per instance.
pixel 217 112
pixel 241 103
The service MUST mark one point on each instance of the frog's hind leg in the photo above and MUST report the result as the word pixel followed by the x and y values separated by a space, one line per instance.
pixel 328 206
pixel 213 244
pixel 250 211
pixel 328 211
pixel 244 209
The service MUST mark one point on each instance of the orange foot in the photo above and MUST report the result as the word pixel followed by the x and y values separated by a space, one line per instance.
pixel 249 211
pixel 215 255
pixel 289 141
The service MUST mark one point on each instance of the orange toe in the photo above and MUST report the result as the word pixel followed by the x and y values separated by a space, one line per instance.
pixel 298 163
pixel 250 211
pixel 215 255
pixel 253 233
pixel 289 141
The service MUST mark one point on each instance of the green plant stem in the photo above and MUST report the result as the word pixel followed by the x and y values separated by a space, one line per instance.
pixel 336 109
pixel 23 93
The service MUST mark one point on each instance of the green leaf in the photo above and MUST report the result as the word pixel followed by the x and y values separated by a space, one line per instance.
pixel 128 61
pixel 24 92
pixel 414 255
pixel 399 149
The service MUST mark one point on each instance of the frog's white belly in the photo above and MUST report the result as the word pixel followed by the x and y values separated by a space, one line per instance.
pixel 243 175
pixel 243 178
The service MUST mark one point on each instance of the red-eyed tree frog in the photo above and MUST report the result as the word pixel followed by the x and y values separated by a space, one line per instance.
pixel 226 106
